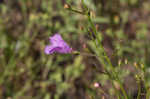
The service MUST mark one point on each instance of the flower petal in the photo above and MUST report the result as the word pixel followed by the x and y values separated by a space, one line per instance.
pixel 65 48
pixel 48 49
pixel 57 45
pixel 55 49
pixel 56 39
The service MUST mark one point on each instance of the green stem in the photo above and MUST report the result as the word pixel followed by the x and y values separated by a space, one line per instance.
pixel 123 90
pixel 139 91
pixel 102 53
pixel 106 57
pixel 147 94
pixel 77 11
pixel 110 76
pixel 95 33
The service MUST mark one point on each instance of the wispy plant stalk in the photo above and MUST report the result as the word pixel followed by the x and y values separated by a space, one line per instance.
pixel 103 58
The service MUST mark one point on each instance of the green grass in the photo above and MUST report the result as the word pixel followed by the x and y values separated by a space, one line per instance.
pixel 112 45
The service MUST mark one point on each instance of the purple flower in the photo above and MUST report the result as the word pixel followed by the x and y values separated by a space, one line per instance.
pixel 57 45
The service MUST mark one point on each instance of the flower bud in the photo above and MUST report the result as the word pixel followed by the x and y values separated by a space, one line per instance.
pixel 96 85
pixel 66 6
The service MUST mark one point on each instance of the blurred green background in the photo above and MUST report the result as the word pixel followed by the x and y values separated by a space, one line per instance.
pixel 27 73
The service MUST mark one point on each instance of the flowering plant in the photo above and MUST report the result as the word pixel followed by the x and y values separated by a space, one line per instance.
pixel 57 45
